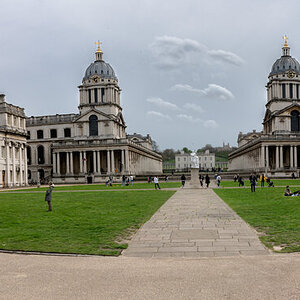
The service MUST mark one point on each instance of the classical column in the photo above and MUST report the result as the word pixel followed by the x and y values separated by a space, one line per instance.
pixel 127 160
pixel 98 162
pixel 13 165
pixel 80 162
pixel 58 163
pixel 7 172
pixel 25 166
pixel 262 156
pixel 122 160
pixel 108 162
pixel 21 165
pixel 84 163
pixel 277 157
pixel 113 161
pixel 54 162
pixel 71 163
pixel 296 157
pixel 267 157
pixel 94 162
pixel 291 156
pixel 281 156
pixel 68 162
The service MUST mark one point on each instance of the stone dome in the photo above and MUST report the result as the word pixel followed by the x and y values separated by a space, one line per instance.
pixel 100 68
pixel 285 63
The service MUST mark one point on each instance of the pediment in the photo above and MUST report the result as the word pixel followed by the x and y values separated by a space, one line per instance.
pixel 101 116
pixel 287 110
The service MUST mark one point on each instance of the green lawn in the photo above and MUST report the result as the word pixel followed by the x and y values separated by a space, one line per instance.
pixel 83 187
pixel 277 182
pixel 86 223
pixel 275 217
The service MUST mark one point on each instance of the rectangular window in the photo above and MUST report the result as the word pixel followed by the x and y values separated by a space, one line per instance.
pixel 28 135
pixel 102 94
pixel 185 159
pixel 96 95
pixel 40 134
pixel 90 96
pixel 67 132
pixel 53 133
pixel 283 90
pixel 291 90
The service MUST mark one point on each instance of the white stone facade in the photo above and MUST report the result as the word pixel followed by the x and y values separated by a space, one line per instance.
pixel 13 160
pixel 276 149
pixel 206 161
pixel 93 144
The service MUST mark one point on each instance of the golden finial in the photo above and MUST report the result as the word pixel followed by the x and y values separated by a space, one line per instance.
pixel 98 48
pixel 285 41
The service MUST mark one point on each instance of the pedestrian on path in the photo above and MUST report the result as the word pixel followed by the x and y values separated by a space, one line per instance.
pixel 262 180
pixel 207 180
pixel 183 180
pixel 201 180
pixel 156 184
pixel 48 196
pixel 123 180
pixel 218 180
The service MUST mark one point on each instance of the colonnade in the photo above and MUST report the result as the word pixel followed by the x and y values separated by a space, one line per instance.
pixel 97 160
pixel 265 156
pixel 15 167
pixel 291 90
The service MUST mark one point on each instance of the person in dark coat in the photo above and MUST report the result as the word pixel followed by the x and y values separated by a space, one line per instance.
pixel 48 196
pixel 182 180
pixel 207 180
pixel 253 183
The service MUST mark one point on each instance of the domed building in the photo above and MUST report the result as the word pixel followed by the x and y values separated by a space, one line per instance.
pixel 93 144
pixel 275 150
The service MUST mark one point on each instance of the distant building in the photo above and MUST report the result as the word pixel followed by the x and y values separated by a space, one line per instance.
pixel 206 160
pixel 13 159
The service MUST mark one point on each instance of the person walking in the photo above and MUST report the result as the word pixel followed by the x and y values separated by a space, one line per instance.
pixel 201 180
pixel 253 183
pixel 262 180
pixel 218 180
pixel 156 184
pixel 207 180
pixel 131 179
pixel 123 180
pixel 182 180
pixel 48 196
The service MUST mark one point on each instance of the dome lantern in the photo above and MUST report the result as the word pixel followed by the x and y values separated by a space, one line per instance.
pixel 99 52
pixel 285 48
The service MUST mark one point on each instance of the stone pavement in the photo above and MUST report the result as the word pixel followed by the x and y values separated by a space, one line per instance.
pixel 195 223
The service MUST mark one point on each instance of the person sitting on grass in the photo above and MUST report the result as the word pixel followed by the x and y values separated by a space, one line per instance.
pixel 287 191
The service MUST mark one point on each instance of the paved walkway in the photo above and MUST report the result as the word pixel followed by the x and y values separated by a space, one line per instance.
pixel 195 223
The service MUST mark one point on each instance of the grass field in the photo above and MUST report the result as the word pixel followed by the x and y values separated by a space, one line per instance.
pixel 277 182
pixel 90 187
pixel 86 223
pixel 275 217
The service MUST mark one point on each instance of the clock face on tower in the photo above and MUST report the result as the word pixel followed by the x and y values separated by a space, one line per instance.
pixel 95 78
pixel 291 74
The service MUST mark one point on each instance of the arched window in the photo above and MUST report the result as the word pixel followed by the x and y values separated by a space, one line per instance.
pixel 28 155
pixel 93 122
pixel 41 155
pixel 294 120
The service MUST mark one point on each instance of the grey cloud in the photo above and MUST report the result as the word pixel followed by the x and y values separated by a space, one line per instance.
pixel 158 114
pixel 210 124
pixel 162 103
pixel 170 52
pixel 194 107
pixel 226 56
pixel 188 118
pixel 213 91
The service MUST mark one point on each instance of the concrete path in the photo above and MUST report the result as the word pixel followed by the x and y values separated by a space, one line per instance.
pixel 240 277
pixel 195 223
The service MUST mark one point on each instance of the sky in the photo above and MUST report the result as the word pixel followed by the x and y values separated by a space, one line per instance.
pixel 192 72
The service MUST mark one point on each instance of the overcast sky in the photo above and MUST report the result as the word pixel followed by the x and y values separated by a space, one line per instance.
pixel 191 72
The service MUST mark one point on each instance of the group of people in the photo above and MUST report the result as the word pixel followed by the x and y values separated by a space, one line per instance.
pixel 202 179
pixel 254 179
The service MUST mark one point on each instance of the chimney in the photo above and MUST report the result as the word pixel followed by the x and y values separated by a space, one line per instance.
pixel 2 98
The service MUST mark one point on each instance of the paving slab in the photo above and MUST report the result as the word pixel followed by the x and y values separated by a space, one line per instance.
pixel 195 223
